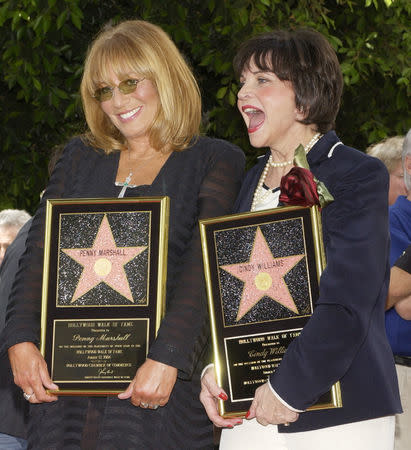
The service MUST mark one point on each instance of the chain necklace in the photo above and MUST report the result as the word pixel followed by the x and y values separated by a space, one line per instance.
pixel 126 184
pixel 260 194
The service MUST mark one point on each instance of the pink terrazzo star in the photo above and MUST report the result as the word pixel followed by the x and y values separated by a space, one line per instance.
pixel 263 275
pixel 103 262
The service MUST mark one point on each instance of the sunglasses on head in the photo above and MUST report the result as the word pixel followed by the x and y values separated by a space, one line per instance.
pixel 125 87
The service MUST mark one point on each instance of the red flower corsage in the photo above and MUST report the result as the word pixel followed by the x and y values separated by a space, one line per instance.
pixel 299 187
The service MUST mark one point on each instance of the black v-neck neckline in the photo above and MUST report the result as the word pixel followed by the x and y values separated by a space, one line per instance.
pixel 118 154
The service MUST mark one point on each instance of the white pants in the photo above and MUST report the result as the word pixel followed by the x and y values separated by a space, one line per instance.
pixel 375 434
pixel 403 421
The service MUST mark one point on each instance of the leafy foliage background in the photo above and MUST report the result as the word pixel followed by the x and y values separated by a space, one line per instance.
pixel 43 44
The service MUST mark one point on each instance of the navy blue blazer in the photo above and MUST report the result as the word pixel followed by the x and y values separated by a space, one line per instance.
pixel 345 338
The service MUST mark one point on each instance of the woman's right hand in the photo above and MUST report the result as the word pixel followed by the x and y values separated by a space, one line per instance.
pixel 30 372
pixel 209 396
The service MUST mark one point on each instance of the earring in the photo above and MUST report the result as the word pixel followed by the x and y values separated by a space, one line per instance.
pixel 300 113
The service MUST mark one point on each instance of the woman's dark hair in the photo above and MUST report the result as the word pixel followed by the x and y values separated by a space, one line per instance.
pixel 306 59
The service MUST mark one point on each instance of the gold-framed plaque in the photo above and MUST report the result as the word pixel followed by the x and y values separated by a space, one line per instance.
pixel 103 295
pixel 262 274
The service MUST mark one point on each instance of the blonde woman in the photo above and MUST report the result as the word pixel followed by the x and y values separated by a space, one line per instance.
pixel 143 108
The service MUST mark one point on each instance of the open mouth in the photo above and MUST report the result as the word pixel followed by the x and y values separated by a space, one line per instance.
pixel 256 117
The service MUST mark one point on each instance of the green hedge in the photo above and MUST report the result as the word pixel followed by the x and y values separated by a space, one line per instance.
pixel 44 42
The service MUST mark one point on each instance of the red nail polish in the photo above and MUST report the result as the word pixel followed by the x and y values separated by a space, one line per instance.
pixel 223 396
pixel 248 413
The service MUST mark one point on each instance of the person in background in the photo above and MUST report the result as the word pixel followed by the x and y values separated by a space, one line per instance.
pixel 290 91
pixel 13 407
pixel 11 220
pixel 399 293
pixel 143 109
pixel 14 224
pixel 389 151
pixel 396 323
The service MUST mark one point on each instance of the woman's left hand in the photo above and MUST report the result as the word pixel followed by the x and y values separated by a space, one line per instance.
pixel 267 409
pixel 152 385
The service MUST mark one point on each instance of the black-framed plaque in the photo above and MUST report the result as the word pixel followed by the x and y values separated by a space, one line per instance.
pixel 262 274
pixel 104 281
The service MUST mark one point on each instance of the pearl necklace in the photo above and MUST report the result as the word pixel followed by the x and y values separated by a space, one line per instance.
pixel 260 194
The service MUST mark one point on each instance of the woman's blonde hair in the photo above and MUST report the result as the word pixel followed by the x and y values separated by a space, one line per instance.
pixel 143 48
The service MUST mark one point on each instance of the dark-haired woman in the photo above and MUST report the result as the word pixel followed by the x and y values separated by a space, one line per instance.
pixel 291 85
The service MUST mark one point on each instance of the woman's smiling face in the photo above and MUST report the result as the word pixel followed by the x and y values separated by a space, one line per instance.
pixel 267 105
pixel 132 114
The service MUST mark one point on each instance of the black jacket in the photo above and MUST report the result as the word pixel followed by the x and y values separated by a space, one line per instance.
pixel 13 407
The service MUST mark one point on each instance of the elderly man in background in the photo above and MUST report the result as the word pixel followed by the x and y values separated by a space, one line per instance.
pixel 389 151
pixel 11 220
pixel 397 326
pixel 14 225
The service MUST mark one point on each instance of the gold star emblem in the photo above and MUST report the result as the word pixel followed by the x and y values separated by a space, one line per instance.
pixel 263 276
pixel 103 262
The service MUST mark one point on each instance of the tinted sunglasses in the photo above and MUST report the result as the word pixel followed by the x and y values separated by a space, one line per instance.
pixel 125 87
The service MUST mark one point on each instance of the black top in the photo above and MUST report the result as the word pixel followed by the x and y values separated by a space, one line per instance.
pixel 201 182
pixel 404 261
pixel 13 407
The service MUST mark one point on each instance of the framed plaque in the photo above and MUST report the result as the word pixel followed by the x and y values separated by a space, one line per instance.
pixel 104 280
pixel 262 273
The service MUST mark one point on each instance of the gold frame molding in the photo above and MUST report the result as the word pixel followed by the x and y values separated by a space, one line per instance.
pixel 249 341
pixel 96 329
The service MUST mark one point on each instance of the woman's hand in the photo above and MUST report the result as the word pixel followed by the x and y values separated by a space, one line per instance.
pixel 152 385
pixel 30 372
pixel 267 409
pixel 209 395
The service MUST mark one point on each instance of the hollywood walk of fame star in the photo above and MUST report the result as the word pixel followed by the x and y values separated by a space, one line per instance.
pixel 263 276
pixel 103 262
